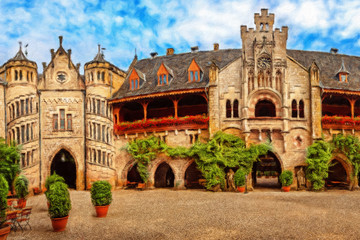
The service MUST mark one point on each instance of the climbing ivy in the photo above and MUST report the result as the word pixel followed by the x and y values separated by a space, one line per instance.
pixel 144 151
pixel 349 145
pixel 317 159
pixel 223 150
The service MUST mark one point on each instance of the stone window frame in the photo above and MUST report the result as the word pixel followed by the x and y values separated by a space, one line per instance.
pixel 57 120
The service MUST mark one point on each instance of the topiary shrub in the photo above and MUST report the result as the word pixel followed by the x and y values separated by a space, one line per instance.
pixel 286 178
pixel 101 193
pixel 59 198
pixel 51 180
pixel 4 189
pixel 239 178
pixel 21 186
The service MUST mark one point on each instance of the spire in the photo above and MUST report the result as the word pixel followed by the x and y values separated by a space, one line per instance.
pixel 343 68
pixel 100 55
pixel 19 55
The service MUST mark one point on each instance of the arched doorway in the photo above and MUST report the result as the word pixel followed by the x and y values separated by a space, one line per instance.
pixel 133 177
pixel 164 176
pixel 266 172
pixel 337 176
pixel 64 165
pixel 193 177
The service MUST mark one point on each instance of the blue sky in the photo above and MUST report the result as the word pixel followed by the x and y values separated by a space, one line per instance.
pixel 122 26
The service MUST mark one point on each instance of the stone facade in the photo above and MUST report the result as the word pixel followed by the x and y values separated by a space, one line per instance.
pixel 69 123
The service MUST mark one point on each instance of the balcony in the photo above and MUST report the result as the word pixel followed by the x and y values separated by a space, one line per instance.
pixel 162 124
pixel 340 122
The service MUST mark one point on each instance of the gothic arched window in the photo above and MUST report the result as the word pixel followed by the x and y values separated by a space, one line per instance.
pixel 294 109
pixel 236 109
pixel 228 109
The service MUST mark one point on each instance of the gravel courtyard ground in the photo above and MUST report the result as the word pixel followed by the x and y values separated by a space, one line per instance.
pixel 198 214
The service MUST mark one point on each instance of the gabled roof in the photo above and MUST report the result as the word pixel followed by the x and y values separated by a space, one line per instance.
pixel 328 64
pixel 178 64
pixel 343 68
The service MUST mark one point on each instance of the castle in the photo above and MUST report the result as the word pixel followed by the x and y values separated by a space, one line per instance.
pixel 76 124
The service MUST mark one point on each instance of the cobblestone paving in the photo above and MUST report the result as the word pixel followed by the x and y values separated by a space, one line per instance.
pixel 197 214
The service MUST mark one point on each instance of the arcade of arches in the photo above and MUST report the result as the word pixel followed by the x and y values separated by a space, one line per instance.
pixel 64 165
pixel 266 172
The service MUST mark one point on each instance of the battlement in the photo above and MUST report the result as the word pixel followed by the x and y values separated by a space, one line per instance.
pixel 264 21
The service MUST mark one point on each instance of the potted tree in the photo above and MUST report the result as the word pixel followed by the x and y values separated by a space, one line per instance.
pixel 240 180
pixel 4 188
pixel 21 186
pixel 286 179
pixel 51 180
pixel 60 205
pixel 101 197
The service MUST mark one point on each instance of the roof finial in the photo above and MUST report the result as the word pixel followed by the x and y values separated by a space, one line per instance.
pixel 99 47
pixel 60 40
pixel 20 45
pixel 135 53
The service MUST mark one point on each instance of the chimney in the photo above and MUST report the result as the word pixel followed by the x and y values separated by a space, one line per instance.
pixel 216 46
pixel 52 53
pixel 194 49
pixel 153 54
pixel 77 66
pixel 44 65
pixel 170 51
pixel 334 50
pixel 60 40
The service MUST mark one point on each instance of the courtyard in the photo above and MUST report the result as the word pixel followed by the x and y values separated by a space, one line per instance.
pixel 200 214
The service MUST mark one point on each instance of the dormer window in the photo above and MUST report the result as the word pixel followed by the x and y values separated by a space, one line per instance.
pixel 164 75
pixel 163 79
pixel 134 80
pixel 343 72
pixel 194 72
pixel 343 77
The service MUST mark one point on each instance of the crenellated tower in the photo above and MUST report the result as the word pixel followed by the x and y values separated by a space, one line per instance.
pixel 102 79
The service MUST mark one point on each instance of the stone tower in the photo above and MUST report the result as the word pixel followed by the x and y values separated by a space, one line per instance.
pixel 22 107
pixel 62 119
pixel 102 79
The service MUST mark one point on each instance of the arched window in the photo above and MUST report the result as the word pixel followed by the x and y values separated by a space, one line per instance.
pixel 301 109
pixel 20 75
pixel 98 76
pixel 294 109
pixel 228 109
pixel 251 80
pixel 278 81
pixel 236 109
pixel 261 79
pixel 265 108
pixel 16 75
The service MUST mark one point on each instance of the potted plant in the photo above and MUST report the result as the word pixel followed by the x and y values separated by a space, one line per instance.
pixel 60 205
pixel 51 180
pixel 21 186
pixel 286 179
pixel 4 188
pixel 240 180
pixel 101 197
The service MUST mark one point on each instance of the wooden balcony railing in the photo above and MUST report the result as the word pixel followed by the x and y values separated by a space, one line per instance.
pixel 162 124
pixel 340 122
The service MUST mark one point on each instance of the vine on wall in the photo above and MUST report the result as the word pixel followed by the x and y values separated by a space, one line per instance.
pixel 222 151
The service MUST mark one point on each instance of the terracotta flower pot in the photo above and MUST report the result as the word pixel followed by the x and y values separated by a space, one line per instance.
pixel 59 224
pixel 101 211
pixel 286 188
pixel 241 189
pixel 4 232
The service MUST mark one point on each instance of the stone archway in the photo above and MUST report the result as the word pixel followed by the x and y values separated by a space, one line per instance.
pixel 193 177
pixel 266 172
pixel 338 176
pixel 164 176
pixel 133 176
pixel 64 165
